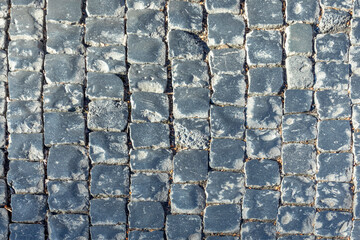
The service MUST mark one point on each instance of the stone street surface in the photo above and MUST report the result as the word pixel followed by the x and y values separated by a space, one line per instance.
pixel 179 119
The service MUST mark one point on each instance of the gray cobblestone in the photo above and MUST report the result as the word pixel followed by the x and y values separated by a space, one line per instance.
pixel 299 39
pixel 332 224
pixel 26 23
pixel 355 31
pixel 334 135
pixel 109 59
pixel 262 173
pixel 232 6
pixel 144 49
pixel 335 167
pixel 299 159
pixel 222 219
pixel 191 102
pixel 187 198
pixel 260 204
pixel 23 231
pixel 104 86
pixel 108 8
pixel 155 135
pixel 299 127
pixel 147 78
pixel 3 193
pixel 25 55
pixel 264 112
pixel 4 221
pixel 28 208
pixel 64 97
pixel 192 133
pixel 151 159
pixel 31 3
pixel 68 226
pixel 24 85
pixel 146 215
pixel 303 10
pixel 24 117
pixel 298 190
pixel 227 122
pixel 332 75
pixel 272 16
pixel 333 195
pixel 108 232
pixel 147 22
pixel 263 143
pixel 229 90
pixel 334 21
pixel 296 100
pixel 107 211
pixel 149 187
pixel 190 166
pixel 301 219
pixel 26 177
pixel 185 15
pixel 226 61
pixel 299 72
pixel 189 73
pixel 338 51
pixel 26 146
pixel 183 44
pixel 265 80
pixel 105 31
pixel 68 12
pixel 183 227
pixel 259 230
pixel 146 4
pixel 153 235
pixel 227 154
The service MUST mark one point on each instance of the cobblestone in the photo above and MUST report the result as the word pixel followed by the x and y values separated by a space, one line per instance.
pixel 262 173
pixel 296 100
pixel 146 215
pixel 183 226
pixel 107 211
pixel 265 80
pixel 258 230
pixel 185 15
pixel 227 154
pixel 23 231
pixel 149 187
pixel 227 61
pixel 222 219
pixel 28 208
pixel 298 190
pixel 299 128
pixel 260 204
pixel 187 198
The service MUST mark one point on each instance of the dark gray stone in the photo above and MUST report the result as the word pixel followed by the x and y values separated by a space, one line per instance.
pixel 70 196
pixel 109 59
pixel 231 6
pixel 354 59
pixel 147 22
pixel 355 232
pixel 155 135
pixel 356 206
pixel 297 190
pixel 61 68
pixel 4 222
pixel 356 116
pixel 333 104
pixel 297 100
pixel 333 224
pixel 24 85
pixel 26 146
pixel 64 38
pixel 105 31
pixel 222 238
pixel 227 122
pixel 302 10
pixel 227 154
pixel 26 23
pixel 3 193
pixel 355 31
pixel 184 44
pixel 146 215
pixel 104 86
pixel 264 14
pixel 107 115
pixel 29 3
pixel 264 47
pixel 332 75
pixel 335 167
pixel 2 131
pixel 299 71
pixel 68 226
pixel 295 219
pixel 260 204
pixel 107 211
pixel 222 219
pixel 356 178
pixel 260 173
pixel 334 135
pixel 258 230
pixel 263 143
pixel 356 148
pixel 153 235
pixel 144 49
pixel 67 162
pixel 185 15
pixel 228 89
pixel 339 47
pixel 108 232
pixel 109 180
pixel 149 187
pixel 190 166
pixel 26 177
pixel 146 4
pixel 299 127
pixel 187 198
pixel 189 73
pixel 355 88
pixel 64 97
pixel 345 4
pixel 334 195
pixel 227 61
pixel 24 117
pixel 62 128
pixel 299 158
pixel 225 28
pixel 25 55
pixel 108 8
pixel 28 208
pixel 26 231
pixel 149 107
pixel 224 187
pixel 108 147
pixel 69 11
pixel 299 39
pixel 334 20
pixel 264 112
pixel 183 227
pixel 192 133
pixel 151 159
pixel 265 80
pixel 4 68
pixel 147 78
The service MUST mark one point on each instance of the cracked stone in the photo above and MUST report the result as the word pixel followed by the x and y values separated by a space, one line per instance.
pixel 336 167
pixel 227 61
pixel 299 127
pixel 146 22
pixel 222 219
pixel 24 85
pixel 187 198
pixel 192 133
pixel 109 180
pixel 261 173
pixel 334 135
pixel 297 190
pixel 67 162
pixel 185 15
pixel 260 204
pixel 26 147
pixel 147 78
pixel 154 135
pixel 183 227
pixel 64 38
pixel 264 112
pixel 299 39
pixel 227 154
pixel 295 219
pixel 332 47
pixel 191 102
pixel 222 29
pixel 108 232
pixel 61 68
pixel 333 195
pixel 68 226
pixel 264 14
pixel 189 73
pixel 108 147
pixel 265 80
pixel 26 23
pixel 105 8
pixel 28 208
pixel 25 55
pixel 190 166
pixel 104 86
pixel 107 211
pixel 104 31
pixel 149 187
pixel 299 159
pixel 151 159
pixel 144 49
pixel 146 215
pixel 263 143
pixel 334 21
pixel 264 47
pixel 64 128
pixel 149 107
pixel 229 89
pixel 227 121
pixel 69 11
pixel 110 59
pixel 332 75
pixel 26 177
pixel 24 117
pixel 297 100
pixel 302 10
pixel 299 72
pixel 64 97
pixel 333 224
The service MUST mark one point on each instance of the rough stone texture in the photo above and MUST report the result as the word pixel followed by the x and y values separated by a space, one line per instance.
pixel 108 232
pixel 299 72
pixel 333 195
pixel 260 204
pixel 227 122
pixel 146 22
pixel 298 189
pixel 24 231
pixel 146 215
pixel 191 102
pixel 299 39
pixel 263 143
pixel 24 85
pixel 335 167
pixel 354 88
pixel 187 198
pixel 104 86
pixel 26 23
pixel 185 15
pixel 25 55
pixel 334 21
pixel 295 219
pixel 302 10
pixel 332 47
pixel 151 160
pixel 108 8
pixel 264 14
pixel 147 78
pixel 190 166
pixel 258 230
pixel 332 75
pixel 183 227
pixel 192 133
pixel 144 49
pixel 334 135
pixel 265 80
pixel 107 211
pixel 64 97
pixel 108 59
pixel 68 226
pixel 299 128
pixel 227 154
pixel 226 61
pixel 214 6
pixel 261 173
pixel 189 73
pixel 264 112
pixel 149 187
pixel 24 117
pixel 26 146
pixel 299 158
pixel 296 100
pixel 222 219
pixel 333 224
pixel 146 4
pixel 229 89
pixel 26 177
pixel 153 235
pixel 28 208
pixel 155 135
pixel 104 31
pixel 59 11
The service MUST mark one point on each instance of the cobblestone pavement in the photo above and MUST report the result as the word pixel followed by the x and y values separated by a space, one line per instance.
pixel 166 119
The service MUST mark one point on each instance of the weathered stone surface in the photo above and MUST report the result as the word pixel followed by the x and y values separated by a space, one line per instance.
pixel 227 121
pixel 104 86
pixel 68 226
pixel 108 232
pixel 261 173
pixel 299 158
pixel 299 39
pixel 146 215
pixel 183 227
pixel 264 112
pixel 23 231
pixel 334 135
pixel 299 72
pixel 229 89
pixel 30 3
pixel 335 167
pixel 214 6
pixel 192 133
pixel 355 31
pixel 263 143
pixel 144 49
pixel 4 222
pixel 147 78
pixel 227 154
pixel 24 85
pixel 26 177
pixel 222 219
pixel 146 22
pixel 146 4
pixel 260 204
pixel 302 10
pixel 25 55
pixel 190 166
pixel 333 224
pixel 295 219
pixel 187 198
pixel 227 61
pixel 68 12
pixel 354 59
pixel 64 97
pixel 154 135
pixel 185 15
pixel 332 75
pixel 28 208
pixel 105 31
pixel 64 38
pixel 334 195
pixel 355 88
pixel 24 117
pixel 345 4
pixel 297 189
pixel 265 80
pixel 297 100
pixel 26 23
pixel 108 8
pixel 332 47
pixel 149 107
pixel 151 160
pixel 26 147
pixel 109 59
pixel 149 187
pixel 258 230
pixel 108 211
pixel 334 21
pixel 264 14
pixel 299 127
pixel 153 235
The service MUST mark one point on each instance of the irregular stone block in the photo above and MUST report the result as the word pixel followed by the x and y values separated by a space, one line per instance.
pixel 185 15
pixel 302 10
pixel 28 208
pixel 105 8
pixel 25 85
pixel 151 159
pixel 153 235
pixel 264 112
pixel 64 38
pixel 231 6
pixel 334 135
pixel 192 133
pixel 147 78
pixel 187 198
pixel 149 187
pixel 146 215
pixel 265 80
pixel 189 73
pixel 29 3
pixel 109 59
pixel 146 4
pixel 26 147
pixel 336 167
pixel 334 195
pixel 226 154
pixel 183 227
pixel 339 47
pixel 229 89
pixel 146 22
pixel 107 211
pixel 299 159
pixel 26 177
pixel 260 204
pixel 299 127
pixel 222 219
pixel 333 224
pixel 24 117
pixel 262 173
pixel 297 190
pixel 105 31
pixel 108 232
pixel 295 219
pixel 154 135
pixel 296 100
pixel 23 231
pixel 299 72
pixel 299 39
pixel 190 166
pixel 69 11
pixel 227 122
pixel 227 61
pixel 258 230
pixel 149 107
pixel 264 14
pixel 184 44
pixel 68 226
pixel 263 143
pixel 64 97
pixel 144 49
pixel 25 55
pixel 26 23
pixel 104 86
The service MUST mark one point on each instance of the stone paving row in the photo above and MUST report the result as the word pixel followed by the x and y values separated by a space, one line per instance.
pixel 173 119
